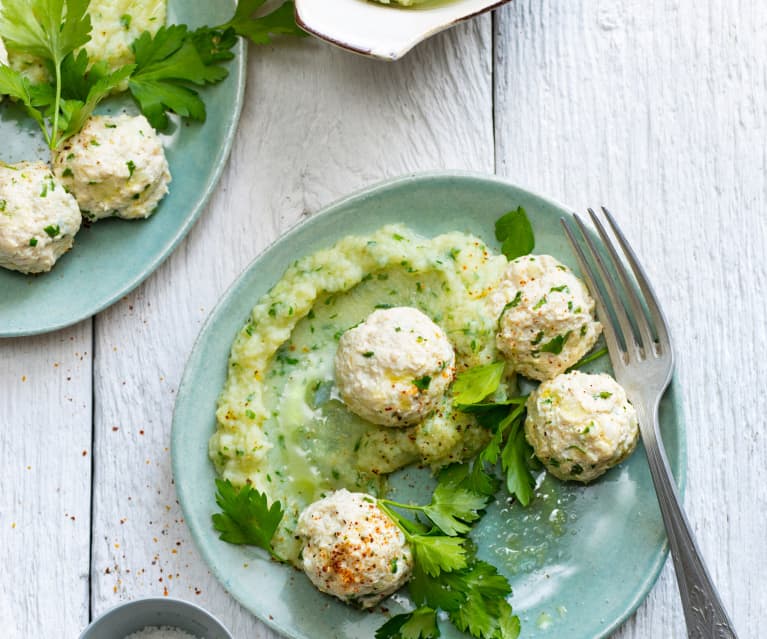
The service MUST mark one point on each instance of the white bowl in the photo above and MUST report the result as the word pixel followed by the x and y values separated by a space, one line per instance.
pixel 384 31
pixel 132 616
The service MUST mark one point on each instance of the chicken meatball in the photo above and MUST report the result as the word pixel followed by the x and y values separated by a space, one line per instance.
pixel 115 167
pixel 394 367
pixel 352 549
pixel 580 425
pixel 545 317
pixel 38 218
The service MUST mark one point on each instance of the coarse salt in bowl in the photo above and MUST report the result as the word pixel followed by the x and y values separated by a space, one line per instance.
pixel 160 632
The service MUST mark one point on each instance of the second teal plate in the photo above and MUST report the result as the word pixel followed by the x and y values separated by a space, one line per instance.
pixel 114 256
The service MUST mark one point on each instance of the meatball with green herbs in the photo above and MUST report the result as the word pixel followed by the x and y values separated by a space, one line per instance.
pixel 395 367
pixel 115 167
pixel 38 218
pixel 580 425
pixel 545 314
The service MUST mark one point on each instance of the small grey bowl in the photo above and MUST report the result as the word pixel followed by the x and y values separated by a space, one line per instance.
pixel 130 617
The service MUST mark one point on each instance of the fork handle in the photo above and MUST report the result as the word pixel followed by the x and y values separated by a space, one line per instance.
pixel 704 613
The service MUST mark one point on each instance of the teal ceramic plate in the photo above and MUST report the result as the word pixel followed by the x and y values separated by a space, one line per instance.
pixel 114 256
pixel 580 559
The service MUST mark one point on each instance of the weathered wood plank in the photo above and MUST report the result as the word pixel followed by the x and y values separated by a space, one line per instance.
pixel 318 124
pixel 45 483
pixel 657 110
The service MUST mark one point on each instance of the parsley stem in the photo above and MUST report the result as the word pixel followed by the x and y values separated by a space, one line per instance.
pixel 396 504
pixel 512 418
pixel 53 140
pixel 589 358
pixel 481 406
pixel 407 527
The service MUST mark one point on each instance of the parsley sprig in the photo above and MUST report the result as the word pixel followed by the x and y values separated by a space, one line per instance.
pixel 169 64
pixel 84 87
pixel 259 29
pixel 247 518
pixel 452 509
pixel 174 60
pixel 506 419
pixel 434 552
pixel 446 573
pixel 48 29
pixel 473 598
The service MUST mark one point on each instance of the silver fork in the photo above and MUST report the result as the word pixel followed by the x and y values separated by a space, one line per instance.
pixel 643 360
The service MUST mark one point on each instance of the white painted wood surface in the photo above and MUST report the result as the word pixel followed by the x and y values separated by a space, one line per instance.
pixel 657 108
pixel 45 483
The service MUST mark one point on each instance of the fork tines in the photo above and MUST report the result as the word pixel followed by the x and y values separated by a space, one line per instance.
pixel 634 326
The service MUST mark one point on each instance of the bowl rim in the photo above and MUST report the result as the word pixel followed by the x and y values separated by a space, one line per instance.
pixel 167 601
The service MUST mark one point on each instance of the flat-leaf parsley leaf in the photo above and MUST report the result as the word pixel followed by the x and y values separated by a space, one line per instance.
pixel 260 28
pixel 452 509
pixel 515 233
pixel 166 64
pixel 433 553
pixel 246 518
pixel 474 384
pixel 419 624
pixel 437 553
pixel 514 460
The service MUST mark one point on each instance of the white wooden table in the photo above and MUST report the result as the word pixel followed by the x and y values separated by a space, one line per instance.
pixel 657 108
